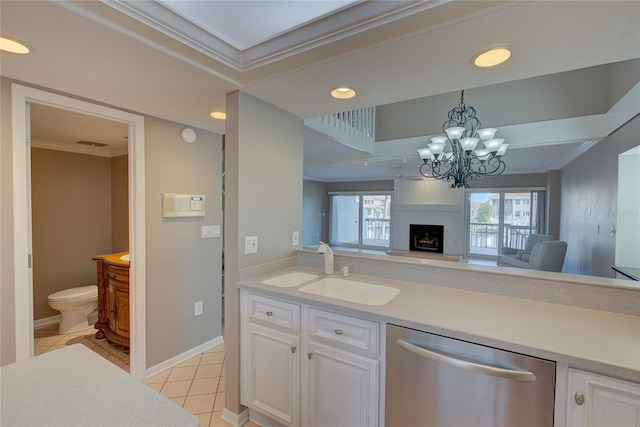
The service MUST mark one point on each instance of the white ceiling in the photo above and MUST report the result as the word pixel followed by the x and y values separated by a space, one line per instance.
pixel 148 58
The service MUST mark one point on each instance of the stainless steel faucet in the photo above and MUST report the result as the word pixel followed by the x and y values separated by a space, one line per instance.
pixel 327 252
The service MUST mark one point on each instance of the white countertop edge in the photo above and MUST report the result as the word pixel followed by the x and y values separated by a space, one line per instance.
pixel 551 347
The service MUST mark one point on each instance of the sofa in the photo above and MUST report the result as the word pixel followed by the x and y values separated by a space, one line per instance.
pixel 545 256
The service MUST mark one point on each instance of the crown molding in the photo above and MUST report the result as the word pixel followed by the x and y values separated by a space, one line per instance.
pixel 328 29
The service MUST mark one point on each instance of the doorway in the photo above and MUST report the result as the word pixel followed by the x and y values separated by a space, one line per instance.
pixel 22 96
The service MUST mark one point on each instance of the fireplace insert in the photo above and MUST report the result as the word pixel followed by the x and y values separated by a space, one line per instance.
pixel 427 238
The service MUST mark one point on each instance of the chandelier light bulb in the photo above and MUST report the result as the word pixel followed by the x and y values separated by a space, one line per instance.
pixel 487 133
pixel 425 153
pixel 454 132
pixel 502 150
pixel 468 144
pixel 493 145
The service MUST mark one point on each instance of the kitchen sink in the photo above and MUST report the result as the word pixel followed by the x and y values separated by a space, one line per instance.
pixel 352 290
pixel 290 280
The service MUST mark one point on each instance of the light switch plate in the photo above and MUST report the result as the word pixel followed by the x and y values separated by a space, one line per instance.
pixel 197 309
pixel 295 239
pixel 250 245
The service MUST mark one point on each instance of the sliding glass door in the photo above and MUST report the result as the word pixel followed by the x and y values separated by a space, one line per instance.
pixel 502 219
pixel 360 220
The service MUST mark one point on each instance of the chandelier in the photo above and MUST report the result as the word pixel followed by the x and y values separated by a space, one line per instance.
pixel 453 157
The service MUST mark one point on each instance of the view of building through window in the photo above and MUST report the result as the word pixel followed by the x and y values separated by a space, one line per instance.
pixel 360 220
pixel 502 219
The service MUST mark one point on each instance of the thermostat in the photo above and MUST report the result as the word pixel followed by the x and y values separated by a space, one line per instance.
pixel 182 205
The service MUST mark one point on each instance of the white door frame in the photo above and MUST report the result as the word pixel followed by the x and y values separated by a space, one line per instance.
pixel 23 277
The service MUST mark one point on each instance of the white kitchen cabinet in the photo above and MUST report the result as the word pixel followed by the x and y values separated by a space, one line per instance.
pixel 342 387
pixel 270 357
pixel 323 371
pixel 597 400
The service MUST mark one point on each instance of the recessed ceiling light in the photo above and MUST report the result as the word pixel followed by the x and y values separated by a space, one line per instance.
pixel 220 115
pixel 13 46
pixel 343 93
pixel 491 57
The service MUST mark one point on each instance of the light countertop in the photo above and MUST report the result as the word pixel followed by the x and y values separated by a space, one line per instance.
pixel 594 340
pixel 74 386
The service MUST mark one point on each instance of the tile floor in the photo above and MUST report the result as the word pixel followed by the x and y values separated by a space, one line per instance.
pixel 196 384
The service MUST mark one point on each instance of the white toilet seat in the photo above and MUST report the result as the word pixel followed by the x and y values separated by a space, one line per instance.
pixel 73 294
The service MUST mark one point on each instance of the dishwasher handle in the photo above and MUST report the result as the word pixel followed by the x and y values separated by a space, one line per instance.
pixel 466 364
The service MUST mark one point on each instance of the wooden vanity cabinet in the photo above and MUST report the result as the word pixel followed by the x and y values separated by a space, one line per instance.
pixel 113 299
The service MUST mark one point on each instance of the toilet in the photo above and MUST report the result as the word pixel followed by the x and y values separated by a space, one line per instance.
pixel 74 305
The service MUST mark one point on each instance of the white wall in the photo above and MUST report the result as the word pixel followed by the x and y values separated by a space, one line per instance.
pixel 628 214
pixel 427 202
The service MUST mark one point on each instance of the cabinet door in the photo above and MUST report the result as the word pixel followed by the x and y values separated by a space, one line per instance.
pixel 122 314
pixel 596 400
pixel 271 373
pixel 342 387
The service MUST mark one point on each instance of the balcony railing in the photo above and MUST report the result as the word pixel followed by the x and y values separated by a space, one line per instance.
pixel 376 232
pixel 484 237
pixel 355 129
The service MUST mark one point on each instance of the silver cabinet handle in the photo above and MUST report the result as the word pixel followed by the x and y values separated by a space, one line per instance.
pixel 467 365
pixel 579 397
pixel 309 355
pixel 293 349
pixel 269 313
pixel 339 332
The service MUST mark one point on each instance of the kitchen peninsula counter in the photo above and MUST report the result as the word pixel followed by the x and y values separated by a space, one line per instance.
pixel 596 340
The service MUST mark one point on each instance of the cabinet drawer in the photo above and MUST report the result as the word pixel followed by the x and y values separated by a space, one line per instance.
pixel 344 331
pixel 273 312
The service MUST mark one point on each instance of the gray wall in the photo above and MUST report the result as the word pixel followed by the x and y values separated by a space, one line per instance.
pixel 71 221
pixel 182 268
pixel 589 200
pixel 259 136
pixel 120 204
pixel 315 212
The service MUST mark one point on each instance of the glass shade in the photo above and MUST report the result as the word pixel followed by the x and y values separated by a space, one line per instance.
pixel 493 145
pixel 439 139
pixel 425 154
pixel 487 133
pixel 468 144
pixel 502 150
pixel 436 148
pixel 482 154
pixel 454 132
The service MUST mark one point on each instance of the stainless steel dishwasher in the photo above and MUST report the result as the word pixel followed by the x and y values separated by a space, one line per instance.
pixel 437 381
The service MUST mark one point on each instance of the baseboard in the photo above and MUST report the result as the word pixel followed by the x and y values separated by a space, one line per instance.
pixel 170 363
pixel 46 321
pixel 233 419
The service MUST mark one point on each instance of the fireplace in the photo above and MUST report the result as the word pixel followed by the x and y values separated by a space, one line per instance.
pixel 426 238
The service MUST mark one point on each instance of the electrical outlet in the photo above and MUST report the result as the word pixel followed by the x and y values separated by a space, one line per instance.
pixel 250 245
pixel 197 310
pixel 295 240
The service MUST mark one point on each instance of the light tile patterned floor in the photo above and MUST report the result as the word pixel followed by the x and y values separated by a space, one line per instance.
pixel 196 384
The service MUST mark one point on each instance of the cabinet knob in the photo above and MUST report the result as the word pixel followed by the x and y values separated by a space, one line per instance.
pixel 293 349
pixel 579 397
pixel 339 331
pixel 269 313
pixel 309 355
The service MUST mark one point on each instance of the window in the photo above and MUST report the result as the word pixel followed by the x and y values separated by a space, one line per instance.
pixel 360 220
pixel 502 219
